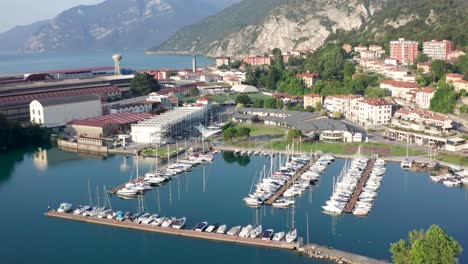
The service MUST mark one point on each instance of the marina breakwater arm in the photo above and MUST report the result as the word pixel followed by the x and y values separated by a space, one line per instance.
pixel 339 256
pixel 362 182
pixel 289 182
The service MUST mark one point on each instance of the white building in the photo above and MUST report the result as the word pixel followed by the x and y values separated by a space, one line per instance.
pixel 424 97
pixel 170 124
pixel 374 112
pixel 345 104
pixel 398 89
pixel 164 100
pixel 58 111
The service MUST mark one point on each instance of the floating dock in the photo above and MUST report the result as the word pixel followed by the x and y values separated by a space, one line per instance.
pixel 365 176
pixel 176 232
pixel 290 182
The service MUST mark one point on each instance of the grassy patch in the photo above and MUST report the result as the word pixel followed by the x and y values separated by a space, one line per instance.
pixel 456 159
pixel 160 151
pixel 261 130
pixel 340 148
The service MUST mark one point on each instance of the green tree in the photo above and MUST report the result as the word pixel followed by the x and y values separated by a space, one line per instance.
pixel 348 69
pixel 243 99
pixel 377 92
pixel 229 134
pixel 431 247
pixel 243 132
pixel 239 106
pixel 144 84
pixel 439 68
pixel 309 108
pixel 421 57
pixel 462 66
pixel 279 104
pixel 337 115
pixel 194 91
pixel 235 64
pixel 250 77
pixel 278 62
pixel 269 103
pixel 272 78
pixel 318 106
pixel 293 134
pixel 444 100
pixel 259 103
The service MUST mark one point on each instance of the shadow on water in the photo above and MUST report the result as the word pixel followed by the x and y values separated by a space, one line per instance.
pixel 230 158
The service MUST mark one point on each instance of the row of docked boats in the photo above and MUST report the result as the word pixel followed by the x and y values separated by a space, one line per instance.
pixel 251 152
pixel 143 218
pixel 159 177
pixel 365 201
pixel 347 183
pixel 456 177
pixel 270 182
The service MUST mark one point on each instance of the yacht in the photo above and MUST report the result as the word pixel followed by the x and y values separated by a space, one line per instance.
pixel 64 208
pixel 221 229
pixel 150 219
pixel 257 231
pixel 452 183
pixel 210 228
pixel 406 164
pixel 127 191
pixel 283 203
pixel 465 180
pixel 245 232
pixel 80 209
pixel 268 234
pixel 279 236
pixel 254 202
pixel 201 226
pixel 168 222
pixel 158 221
pixel 291 236
pixel 179 223
pixel 234 230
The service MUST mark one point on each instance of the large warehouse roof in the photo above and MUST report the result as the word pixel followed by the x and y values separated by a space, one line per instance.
pixel 69 99
pixel 122 118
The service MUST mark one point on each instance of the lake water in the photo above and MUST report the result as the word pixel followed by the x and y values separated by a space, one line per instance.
pixel 15 63
pixel 32 180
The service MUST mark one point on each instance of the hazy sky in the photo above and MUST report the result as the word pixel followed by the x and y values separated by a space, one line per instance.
pixel 23 12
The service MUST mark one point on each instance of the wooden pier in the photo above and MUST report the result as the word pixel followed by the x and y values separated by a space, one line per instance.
pixel 365 176
pixel 176 232
pixel 290 182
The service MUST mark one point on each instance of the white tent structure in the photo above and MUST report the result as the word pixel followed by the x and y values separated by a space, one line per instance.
pixel 242 88
pixel 206 132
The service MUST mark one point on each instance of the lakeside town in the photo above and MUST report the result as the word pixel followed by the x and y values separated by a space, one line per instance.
pixel 184 117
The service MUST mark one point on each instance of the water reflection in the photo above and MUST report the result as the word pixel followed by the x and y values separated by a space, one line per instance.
pixel 230 158
pixel 9 162
pixel 45 157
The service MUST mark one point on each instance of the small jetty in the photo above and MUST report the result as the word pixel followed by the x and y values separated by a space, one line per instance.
pixel 362 182
pixel 176 232
pixel 338 256
pixel 290 182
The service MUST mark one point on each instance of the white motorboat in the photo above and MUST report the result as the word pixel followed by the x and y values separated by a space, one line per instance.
pixel 158 221
pixel 283 203
pixel 234 230
pixel 127 192
pixel 279 236
pixel 406 164
pixel 452 183
pixel 268 234
pixel 64 208
pixel 254 202
pixel 168 222
pixel 291 236
pixel 245 232
pixel 179 223
pixel 257 231
pixel 150 219
pixel 221 229
pixel 210 228
pixel 465 180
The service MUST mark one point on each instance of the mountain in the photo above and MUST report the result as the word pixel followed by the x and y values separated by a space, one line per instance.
pixel 243 29
pixel 287 24
pixel 12 40
pixel 119 24
pixel 421 20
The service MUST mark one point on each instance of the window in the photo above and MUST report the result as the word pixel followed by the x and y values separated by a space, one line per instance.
pixel 33 120
pixel 40 121
pixel 33 112
pixel 39 112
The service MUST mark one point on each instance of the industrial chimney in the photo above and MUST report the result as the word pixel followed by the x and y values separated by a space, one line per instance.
pixel 194 63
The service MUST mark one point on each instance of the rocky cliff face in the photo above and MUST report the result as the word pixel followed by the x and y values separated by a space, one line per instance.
pixel 299 24
pixel 119 24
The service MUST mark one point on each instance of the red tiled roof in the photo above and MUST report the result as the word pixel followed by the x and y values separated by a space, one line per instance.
pixel 461 81
pixel 26 99
pixel 307 75
pixel 345 96
pixel 400 84
pixel 376 101
pixel 426 90
pixel 204 99
pixel 421 113
pixel 454 75
pixel 122 118
pixel 88 123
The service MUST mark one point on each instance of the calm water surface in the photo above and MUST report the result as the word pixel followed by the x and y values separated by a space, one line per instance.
pixel 15 63
pixel 32 180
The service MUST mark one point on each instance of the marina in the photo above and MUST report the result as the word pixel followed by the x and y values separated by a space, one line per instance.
pixel 365 176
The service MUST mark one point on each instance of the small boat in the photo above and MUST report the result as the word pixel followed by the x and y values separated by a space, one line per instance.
pixel 245 232
pixel 256 232
pixel 291 236
pixel 150 219
pixel 201 226
pixel 210 228
pixel 279 236
pixel 168 222
pixel 234 230
pixel 406 164
pixel 451 183
pixel 267 234
pixel 179 223
pixel 221 229
pixel 465 180
pixel 127 192
pixel 64 208
pixel 158 221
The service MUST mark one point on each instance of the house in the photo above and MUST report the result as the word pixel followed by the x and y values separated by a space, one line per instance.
pixel 163 100
pixel 136 107
pixel 206 101
pixel 345 104
pixel 258 60
pixel 220 61
pixel 424 96
pixel 360 48
pixel 58 111
pixel 451 77
pixel 460 85
pixel 347 48
pixel 398 89
pixel 453 56
pixel 308 78
pixel 374 112
pixel 312 100
pixel 286 98
pixel 425 66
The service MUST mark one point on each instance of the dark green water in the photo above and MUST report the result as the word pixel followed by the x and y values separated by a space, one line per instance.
pixel 31 180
